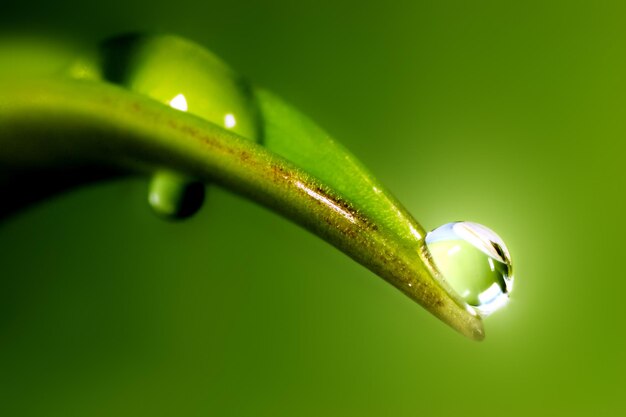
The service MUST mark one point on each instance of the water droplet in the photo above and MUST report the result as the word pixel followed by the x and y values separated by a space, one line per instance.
pixel 474 260
pixel 184 75
pixel 174 196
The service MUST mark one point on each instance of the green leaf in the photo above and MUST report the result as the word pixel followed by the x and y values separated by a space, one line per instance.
pixel 73 129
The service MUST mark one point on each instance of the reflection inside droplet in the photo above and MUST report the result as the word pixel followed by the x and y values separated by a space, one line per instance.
pixel 475 262
pixel 179 102
pixel 229 121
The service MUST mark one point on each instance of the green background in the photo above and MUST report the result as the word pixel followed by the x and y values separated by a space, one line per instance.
pixel 511 114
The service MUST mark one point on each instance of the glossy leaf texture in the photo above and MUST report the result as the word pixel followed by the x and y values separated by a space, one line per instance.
pixel 82 120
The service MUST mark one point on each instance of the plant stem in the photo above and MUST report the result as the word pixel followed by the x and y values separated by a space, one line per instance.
pixel 92 127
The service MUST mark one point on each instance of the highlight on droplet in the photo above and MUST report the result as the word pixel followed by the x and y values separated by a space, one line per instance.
pixel 179 102
pixel 475 262
pixel 229 120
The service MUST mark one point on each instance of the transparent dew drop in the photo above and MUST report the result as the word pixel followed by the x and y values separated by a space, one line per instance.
pixel 475 262
pixel 173 196
pixel 186 77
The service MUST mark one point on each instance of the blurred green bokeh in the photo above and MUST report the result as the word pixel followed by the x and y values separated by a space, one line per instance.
pixel 511 114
